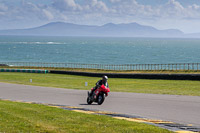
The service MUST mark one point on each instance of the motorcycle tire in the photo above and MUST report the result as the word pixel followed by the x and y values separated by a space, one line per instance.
pixel 100 99
pixel 89 101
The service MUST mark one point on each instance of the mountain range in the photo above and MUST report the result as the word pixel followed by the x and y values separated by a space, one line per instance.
pixel 107 30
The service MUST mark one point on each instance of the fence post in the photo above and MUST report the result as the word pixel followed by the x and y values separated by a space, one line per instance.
pixel 168 66
pixel 185 66
pixel 192 66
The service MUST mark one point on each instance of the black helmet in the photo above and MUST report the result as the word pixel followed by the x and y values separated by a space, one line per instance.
pixel 105 78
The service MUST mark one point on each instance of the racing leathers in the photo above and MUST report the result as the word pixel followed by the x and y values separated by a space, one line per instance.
pixel 98 84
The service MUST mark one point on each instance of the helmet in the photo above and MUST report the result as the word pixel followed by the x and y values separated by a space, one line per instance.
pixel 105 78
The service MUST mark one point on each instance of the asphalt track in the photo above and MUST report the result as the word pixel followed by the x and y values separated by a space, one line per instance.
pixel 179 109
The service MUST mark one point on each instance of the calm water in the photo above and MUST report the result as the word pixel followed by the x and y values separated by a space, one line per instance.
pixel 99 50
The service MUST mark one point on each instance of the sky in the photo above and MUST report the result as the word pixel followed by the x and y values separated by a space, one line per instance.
pixel 161 14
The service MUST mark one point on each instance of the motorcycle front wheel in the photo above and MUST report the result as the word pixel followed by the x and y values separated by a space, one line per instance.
pixel 101 99
pixel 89 101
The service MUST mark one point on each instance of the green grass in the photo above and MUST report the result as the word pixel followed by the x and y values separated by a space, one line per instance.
pixel 172 87
pixel 23 117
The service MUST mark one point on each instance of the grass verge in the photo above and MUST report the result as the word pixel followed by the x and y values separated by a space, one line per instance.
pixel 172 87
pixel 23 117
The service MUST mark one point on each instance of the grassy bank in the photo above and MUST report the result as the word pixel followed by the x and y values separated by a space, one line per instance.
pixel 172 87
pixel 23 117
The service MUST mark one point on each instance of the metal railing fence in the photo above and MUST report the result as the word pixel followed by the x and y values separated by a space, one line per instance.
pixel 133 67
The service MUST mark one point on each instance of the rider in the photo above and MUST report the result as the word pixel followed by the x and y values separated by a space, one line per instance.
pixel 100 82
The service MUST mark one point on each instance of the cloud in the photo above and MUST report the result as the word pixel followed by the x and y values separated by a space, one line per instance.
pixel 3 7
pixel 66 5
pixel 114 1
pixel 48 14
pixel 99 5
pixel 194 7
pixel 97 12
pixel 175 10
pixel 172 9
pixel 117 9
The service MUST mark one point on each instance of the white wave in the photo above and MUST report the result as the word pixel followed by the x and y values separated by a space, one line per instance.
pixel 32 43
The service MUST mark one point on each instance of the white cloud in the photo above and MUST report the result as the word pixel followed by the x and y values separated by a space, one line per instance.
pixel 175 5
pixel 114 1
pixel 48 14
pixel 66 5
pixel 100 12
pixel 99 5
pixel 3 7
pixel 131 9
pixel 194 7
pixel 172 9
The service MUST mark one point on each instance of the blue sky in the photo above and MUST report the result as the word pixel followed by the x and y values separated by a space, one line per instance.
pixel 161 14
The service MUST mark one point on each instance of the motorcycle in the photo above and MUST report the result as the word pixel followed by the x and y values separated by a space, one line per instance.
pixel 98 95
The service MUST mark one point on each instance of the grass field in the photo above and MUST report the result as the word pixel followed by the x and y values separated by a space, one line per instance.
pixel 172 87
pixel 23 117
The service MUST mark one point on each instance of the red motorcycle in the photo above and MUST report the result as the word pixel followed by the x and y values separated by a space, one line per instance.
pixel 98 96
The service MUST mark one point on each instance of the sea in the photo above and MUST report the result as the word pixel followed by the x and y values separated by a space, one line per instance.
pixel 99 50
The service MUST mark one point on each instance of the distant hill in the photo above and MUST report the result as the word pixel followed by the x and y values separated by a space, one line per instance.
pixel 107 30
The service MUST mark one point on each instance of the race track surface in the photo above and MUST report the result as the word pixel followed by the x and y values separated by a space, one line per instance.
pixel 179 109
